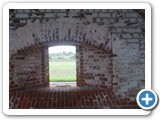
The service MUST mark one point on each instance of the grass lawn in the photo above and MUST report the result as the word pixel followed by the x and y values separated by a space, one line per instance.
pixel 64 71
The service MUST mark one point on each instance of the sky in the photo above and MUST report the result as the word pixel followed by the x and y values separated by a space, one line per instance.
pixel 60 49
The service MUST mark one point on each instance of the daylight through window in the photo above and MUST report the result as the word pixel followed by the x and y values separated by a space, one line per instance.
pixel 62 64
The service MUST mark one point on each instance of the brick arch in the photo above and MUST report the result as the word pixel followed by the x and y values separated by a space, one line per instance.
pixel 37 37
pixel 38 55
pixel 52 32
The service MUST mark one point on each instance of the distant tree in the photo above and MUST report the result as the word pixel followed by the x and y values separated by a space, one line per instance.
pixel 73 57
pixel 60 57
pixel 64 53
pixel 51 57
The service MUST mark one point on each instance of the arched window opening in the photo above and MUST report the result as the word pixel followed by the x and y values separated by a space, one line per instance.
pixel 62 65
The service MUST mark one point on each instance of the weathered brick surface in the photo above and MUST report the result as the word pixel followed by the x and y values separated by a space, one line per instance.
pixel 27 69
pixel 94 72
pixel 110 47
pixel 60 98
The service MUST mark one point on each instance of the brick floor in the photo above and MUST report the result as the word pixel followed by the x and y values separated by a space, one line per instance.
pixel 68 97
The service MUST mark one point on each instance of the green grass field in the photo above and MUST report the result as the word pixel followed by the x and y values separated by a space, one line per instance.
pixel 62 71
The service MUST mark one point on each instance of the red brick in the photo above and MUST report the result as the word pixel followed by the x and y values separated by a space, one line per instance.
pixel 132 103
pixel 75 99
pixel 115 84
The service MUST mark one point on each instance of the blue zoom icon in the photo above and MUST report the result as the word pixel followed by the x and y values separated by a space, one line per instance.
pixel 147 99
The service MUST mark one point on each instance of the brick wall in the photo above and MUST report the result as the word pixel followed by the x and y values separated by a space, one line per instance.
pixel 94 73
pixel 27 69
pixel 110 46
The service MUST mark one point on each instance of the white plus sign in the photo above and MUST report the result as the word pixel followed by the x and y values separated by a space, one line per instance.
pixel 147 99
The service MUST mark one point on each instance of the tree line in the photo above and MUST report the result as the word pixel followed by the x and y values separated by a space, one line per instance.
pixel 62 56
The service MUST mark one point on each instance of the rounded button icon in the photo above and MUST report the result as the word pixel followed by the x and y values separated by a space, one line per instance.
pixel 147 99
